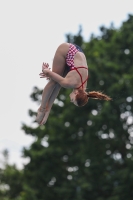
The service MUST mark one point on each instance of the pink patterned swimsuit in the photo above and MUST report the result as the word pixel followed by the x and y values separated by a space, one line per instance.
pixel 73 49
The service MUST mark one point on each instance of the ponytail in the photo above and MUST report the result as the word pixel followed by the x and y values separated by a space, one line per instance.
pixel 82 97
pixel 98 95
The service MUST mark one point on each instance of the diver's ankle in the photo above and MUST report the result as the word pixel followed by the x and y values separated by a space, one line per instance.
pixel 42 109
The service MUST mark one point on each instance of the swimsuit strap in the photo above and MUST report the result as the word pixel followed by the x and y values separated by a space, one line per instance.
pixel 76 68
pixel 82 83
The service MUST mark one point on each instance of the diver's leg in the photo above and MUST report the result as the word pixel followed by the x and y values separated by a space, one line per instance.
pixel 52 99
pixel 59 68
pixel 47 92
pixel 50 103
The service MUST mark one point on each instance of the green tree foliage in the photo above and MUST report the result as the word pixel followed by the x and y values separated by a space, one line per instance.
pixel 86 153
pixel 11 180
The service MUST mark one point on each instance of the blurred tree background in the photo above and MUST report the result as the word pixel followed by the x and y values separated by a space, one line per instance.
pixel 83 153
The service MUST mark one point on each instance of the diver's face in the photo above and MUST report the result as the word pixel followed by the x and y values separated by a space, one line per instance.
pixel 73 97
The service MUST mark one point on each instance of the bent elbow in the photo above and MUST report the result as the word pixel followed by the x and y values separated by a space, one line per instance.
pixel 65 84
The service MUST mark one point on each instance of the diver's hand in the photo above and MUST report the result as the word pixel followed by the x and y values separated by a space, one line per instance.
pixel 45 67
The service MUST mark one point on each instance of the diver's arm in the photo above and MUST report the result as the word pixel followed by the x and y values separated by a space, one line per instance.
pixel 64 82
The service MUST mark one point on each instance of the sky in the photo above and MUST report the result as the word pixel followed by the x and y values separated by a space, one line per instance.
pixel 30 32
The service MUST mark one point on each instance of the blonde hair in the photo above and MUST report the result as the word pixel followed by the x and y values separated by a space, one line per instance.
pixel 82 97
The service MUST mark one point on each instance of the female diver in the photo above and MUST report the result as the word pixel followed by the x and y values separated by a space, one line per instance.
pixel 69 70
